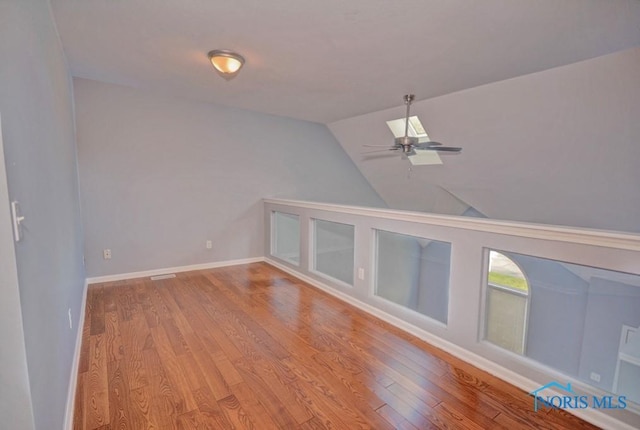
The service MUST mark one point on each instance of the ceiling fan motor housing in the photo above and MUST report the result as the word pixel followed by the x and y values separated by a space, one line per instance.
pixel 406 143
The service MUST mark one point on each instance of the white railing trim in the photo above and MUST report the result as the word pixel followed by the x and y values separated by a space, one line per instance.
pixel 586 236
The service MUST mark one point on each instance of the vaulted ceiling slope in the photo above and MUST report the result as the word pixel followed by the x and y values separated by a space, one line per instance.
pixel 329 60
pixel 560 146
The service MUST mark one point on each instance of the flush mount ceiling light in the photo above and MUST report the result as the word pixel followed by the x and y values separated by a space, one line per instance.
pixel 227 63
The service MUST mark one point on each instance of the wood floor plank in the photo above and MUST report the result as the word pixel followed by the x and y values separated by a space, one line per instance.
pixel 249 398
pixel 314 423
pixel 243 323
pixel 123 414
pixel 209 407
pixel 462 421
pixel 146 304
pixel 346 399
pixel 97 310
pixel 83 364
pixel 177 316
pixel 79 417
pixel 135 336
pixel 212 376
pixel 394 418
pixel 113 339
pixel 418 415
pixel 109 298
pixel 201 319
pixel 274 393
pixel 166 405
pixel 236 415
pixel 251 347
pixel 175 376
pixel 173 335
pixel 126 301
pixel 327 414
pixel 142 405
pixel 269 399
pixel 228 371
pixel 96 393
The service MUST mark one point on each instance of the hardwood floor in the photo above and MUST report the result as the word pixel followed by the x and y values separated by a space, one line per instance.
pixel 250 347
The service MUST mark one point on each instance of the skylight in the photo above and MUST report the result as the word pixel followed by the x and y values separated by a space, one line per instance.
pixel 416 129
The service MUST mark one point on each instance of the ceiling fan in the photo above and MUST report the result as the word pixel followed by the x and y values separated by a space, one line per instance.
pixel 408 144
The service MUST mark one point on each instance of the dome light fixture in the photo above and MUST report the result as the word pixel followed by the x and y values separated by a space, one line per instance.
pixel 227 63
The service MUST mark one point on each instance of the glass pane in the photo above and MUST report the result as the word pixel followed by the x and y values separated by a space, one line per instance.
pixel 286 237
pixel 334 253
pixel 579 320
pixel 413 272
pixel 506 313
pixel 505 273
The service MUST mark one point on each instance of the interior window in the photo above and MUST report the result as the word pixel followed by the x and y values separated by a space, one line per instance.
pixel 506 303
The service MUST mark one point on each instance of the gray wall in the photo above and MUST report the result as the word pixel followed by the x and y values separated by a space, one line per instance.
pixel 610 304
pixel 433 299
pixel 15 395
pixel 414 272
pixel 398 268
pixel 160 176
pixel 334 249
pixel 40 154
pixel 286 242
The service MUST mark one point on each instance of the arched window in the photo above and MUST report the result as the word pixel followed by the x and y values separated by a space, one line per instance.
pixel 507 303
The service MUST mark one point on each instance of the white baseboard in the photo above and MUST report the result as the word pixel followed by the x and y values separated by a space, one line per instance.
pixel 590 415
pixel 178 269
pixel 75 364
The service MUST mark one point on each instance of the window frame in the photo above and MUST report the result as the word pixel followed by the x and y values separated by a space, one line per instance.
pixel 505 288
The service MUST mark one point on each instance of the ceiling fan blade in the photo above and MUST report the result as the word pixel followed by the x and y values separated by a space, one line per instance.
pixel 379 150
pixel 443 148
pixel 426 145
pixel 376 146
pixel 366 157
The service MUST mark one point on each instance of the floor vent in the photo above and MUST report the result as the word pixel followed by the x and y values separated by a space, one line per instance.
pixel 167 276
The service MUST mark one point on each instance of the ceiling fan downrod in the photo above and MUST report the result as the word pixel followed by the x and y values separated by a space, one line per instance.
pixel 405 142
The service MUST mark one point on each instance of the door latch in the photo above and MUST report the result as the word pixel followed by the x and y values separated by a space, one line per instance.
pixel 17 220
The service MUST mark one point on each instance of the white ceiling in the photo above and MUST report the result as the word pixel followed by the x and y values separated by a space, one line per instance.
pixel 333 59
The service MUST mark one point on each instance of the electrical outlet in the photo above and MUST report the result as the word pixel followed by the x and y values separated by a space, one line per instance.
pixel 106 254
pixel 209 244
pixel 361 273
pixel 595 376
pixel 70 319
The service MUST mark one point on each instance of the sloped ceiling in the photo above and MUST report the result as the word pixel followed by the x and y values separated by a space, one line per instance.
pixel 559 147
pixel 542 95
pixel 333 59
